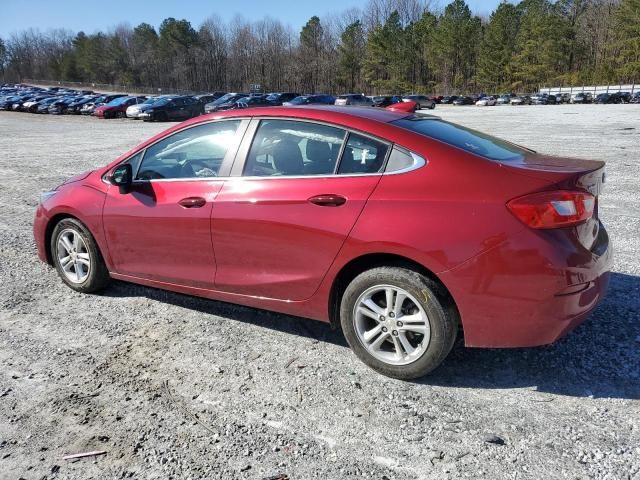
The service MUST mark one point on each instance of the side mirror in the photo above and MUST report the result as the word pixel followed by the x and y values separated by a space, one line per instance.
pixel 122 177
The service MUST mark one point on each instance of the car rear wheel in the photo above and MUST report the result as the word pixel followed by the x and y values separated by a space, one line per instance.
pixel 77 258
pixel 120 115
pixel 396 322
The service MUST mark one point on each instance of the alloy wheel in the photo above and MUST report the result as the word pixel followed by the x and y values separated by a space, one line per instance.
pixel 391 324
pixel 73 256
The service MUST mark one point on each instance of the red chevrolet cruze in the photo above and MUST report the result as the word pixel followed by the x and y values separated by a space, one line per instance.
pixel 401 229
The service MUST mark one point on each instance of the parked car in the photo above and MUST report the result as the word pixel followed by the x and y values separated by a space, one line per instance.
pixel 538 99
pixel 27 104
pixel 356 99
pixel 43 105
pixel 422 101
pixel 486 102
pixel 32 107
pixel 252 102
pixel 604 98
pixel 117 108
pixel 521 100
pixel 503 100
pixel 449 99
pixel 385 100
pixel 224 103
pixel 635 98
pixel 300 197
pixel 279 98
pixel 205 98
pixel 75 107
pixel 171 108
pixel 60 106
pixel 90 107
pixel 582 97
pixel 463 101
pixel 134 111
pixel 312 100
pixel 563 97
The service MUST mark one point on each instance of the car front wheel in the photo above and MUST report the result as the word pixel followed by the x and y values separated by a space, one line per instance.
pixel 397 323
pixel 77 258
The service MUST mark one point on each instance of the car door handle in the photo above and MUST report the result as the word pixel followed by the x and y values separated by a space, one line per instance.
pixel 328 200
pixel 192 202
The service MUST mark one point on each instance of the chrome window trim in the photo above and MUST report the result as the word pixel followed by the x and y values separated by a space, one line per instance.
pixel 243 151
pixel 244 145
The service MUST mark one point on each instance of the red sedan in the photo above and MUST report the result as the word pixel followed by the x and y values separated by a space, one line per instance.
pixel 117 108
pixel 403 230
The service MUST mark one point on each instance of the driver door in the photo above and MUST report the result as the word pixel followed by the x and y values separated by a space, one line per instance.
pixel 161 229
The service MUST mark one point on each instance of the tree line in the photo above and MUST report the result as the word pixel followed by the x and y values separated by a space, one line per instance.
pixel 388 46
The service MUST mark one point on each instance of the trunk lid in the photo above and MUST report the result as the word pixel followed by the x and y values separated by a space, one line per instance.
pixel 565 173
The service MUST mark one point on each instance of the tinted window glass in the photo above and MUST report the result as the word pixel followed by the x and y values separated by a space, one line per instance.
pixel 287 147
pixel 362 155
pixel 464 138
pixel 196 152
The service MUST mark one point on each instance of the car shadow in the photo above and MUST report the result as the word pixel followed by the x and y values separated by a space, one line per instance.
pixel 600 359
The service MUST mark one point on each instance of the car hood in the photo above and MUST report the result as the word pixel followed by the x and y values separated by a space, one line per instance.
pixel 78 177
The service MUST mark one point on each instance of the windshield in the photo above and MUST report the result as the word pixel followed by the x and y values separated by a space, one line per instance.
pixel 464 138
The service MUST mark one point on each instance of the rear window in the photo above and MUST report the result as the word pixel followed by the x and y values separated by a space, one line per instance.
pixel 470 140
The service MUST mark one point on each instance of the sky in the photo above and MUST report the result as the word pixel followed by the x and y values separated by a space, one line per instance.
pixel 93 15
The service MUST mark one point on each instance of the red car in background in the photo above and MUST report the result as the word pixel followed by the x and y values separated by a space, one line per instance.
pixel 117 108
pixel 400 229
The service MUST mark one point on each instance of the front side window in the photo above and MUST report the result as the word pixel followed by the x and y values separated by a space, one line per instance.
pixel 362 155
pixel 289 147
pixel 197 152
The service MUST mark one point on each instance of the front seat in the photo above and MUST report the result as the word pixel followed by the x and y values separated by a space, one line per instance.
pixel 287 158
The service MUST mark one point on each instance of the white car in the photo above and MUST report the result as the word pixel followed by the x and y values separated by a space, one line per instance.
pixel 486 102
pixel 134 111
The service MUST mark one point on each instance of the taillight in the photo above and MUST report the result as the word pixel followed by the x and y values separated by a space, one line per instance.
pixel 561 208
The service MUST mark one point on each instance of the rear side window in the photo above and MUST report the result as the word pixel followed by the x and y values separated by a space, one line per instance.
pixel 470 140
pixel 362 155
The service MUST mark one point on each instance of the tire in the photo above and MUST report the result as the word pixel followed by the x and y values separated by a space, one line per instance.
pixel 120 114
pixel 94 276
pixel 162 117
pixel 439 322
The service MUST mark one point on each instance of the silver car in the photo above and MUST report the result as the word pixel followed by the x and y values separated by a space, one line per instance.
pixel 134 111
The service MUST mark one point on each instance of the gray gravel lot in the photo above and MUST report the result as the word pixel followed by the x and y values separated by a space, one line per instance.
pixel 177 387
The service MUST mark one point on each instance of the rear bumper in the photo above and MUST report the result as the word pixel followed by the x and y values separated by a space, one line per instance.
pixel 528 291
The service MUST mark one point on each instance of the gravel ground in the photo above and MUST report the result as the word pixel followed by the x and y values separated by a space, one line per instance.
pixel 177 387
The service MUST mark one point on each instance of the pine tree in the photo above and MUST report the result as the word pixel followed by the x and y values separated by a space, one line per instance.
pixel 497 47
pixel 311 37
pixel 627 21
pixel 350 53
pixel 456 40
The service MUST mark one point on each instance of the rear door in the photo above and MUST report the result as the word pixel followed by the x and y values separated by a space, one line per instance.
pixel 296 190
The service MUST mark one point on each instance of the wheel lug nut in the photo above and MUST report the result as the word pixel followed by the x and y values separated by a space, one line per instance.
pixel 395 332
pixel 391 314
pixel 382 319
pixel 399 324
